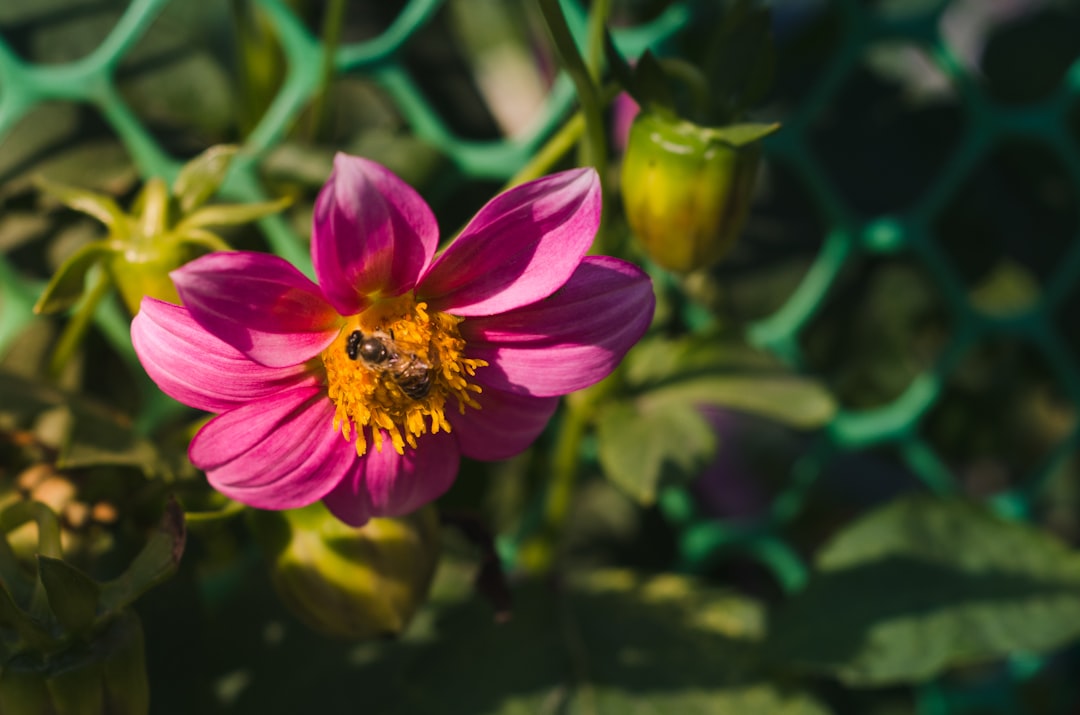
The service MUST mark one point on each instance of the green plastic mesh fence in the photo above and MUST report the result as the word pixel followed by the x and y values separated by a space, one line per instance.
pixel 851 234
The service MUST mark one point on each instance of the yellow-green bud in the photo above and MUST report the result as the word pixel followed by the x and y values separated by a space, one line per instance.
pixel 106 676
pixel 687 188
pixel 351 582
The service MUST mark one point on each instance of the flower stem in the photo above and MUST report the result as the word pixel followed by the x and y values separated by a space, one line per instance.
pixel 559 145
pixel 333 21
pixel 595 147
pixel 537 553
pixel 75 330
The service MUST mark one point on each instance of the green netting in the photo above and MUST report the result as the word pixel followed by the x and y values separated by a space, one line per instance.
pixel 849 234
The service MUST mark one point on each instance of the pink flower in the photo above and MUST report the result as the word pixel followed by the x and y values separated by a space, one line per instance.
pixel 365 390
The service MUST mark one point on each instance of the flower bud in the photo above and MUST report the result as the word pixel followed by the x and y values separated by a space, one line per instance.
pixel 687 188
pixel 105 676
pixel 351 582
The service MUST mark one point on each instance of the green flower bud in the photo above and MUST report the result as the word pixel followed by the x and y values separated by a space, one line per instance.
pixel 105 676
pixel 351 582
pixel 687 188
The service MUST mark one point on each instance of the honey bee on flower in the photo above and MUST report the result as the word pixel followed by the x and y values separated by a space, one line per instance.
pixel 366 389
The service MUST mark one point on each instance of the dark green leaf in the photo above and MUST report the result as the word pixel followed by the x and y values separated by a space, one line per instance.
pixel 66 286
pixel 156 563
pixel 644 446
pixel 924 585
pixel 740 62
pixel 73 596
pixel 624 73
pixel 200 178
pixel 652 83
pixel 13 617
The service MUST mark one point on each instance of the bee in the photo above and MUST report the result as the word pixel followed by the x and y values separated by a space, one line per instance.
pixel 382 354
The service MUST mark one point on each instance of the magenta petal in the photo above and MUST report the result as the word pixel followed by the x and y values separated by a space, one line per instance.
pixel 385 483
pixel 504 426
pixel 573 339
pixel 195 368
pixel 521 247
pixel 258 303
pixel 372 233
pixel 280 452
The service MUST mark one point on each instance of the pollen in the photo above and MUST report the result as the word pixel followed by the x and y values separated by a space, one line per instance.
pixel 393 369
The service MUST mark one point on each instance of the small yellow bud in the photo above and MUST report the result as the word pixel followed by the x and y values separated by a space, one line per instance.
pixel 351 582
pixel 687 188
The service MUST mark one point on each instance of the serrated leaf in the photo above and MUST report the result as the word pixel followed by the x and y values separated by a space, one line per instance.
pixel 230 214
pixel 642 447
pixel 200 178
pixel 156 563
pixel 66 285
pixel 73 596
pixel 924 585
pixel 100 206
pixel 796 401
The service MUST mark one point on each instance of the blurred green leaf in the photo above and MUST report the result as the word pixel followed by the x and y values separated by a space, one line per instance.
pixel 923 585
pixel 66 285
pixel 73 596
pixel 642 447
pixel 95 435
pixel 100 206
pixel 607 642
pixel 157 562
pixel 724 373
pixel 741 61
pixel 791 399
pixel 739 135
pixel 229 214
pixel 200 178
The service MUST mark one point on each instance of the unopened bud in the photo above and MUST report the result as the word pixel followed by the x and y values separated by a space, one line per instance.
pixel 687 188
pixel 351 582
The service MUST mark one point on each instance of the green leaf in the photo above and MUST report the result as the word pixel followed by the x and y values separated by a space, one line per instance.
pixel 100 206
pixel 203 240
pixel 73 596
pixel 200 178
pixel 609 642
pixel 156 563
pixel 740 135
pixel 230 214
pixel 791 399
pixel 66 285
pixel 712 371
pixel 644 446
pixel 95 435
pixel 924 585
pixel 15 618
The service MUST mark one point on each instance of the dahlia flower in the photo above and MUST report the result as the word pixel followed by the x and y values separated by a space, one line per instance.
pixel 365 390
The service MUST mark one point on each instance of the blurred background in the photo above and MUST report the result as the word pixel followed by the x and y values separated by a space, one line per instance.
pixel 911 246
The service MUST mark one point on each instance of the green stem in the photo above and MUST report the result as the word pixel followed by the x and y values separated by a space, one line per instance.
pixel 559 145
pixel 539 551
pixel 333 21
pixel 598 15
pixel 75 330
pixel 595 147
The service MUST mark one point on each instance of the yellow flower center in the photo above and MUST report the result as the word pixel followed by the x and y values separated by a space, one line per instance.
pixel 393 368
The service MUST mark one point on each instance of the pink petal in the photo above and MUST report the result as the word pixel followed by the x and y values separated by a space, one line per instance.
pixel 385 483
pixel 521 247
pixel 258 303
pixel 573 339
pixel 280 452
pixel 372 234
pixel 504 426
pixel 199 370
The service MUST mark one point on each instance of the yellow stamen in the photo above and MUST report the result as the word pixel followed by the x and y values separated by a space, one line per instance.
pixel 404 393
